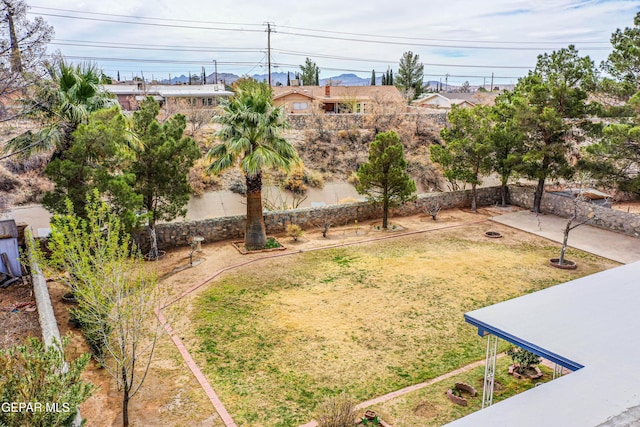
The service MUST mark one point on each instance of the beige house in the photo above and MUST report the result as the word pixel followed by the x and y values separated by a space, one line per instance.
pixel 334 99
pixel 441 101
pixel 205 96
pixel 445 100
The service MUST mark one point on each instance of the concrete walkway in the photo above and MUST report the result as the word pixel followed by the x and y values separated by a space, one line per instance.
pixel 608 244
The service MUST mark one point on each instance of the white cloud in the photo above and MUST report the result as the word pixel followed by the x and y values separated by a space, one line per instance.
pixel 542 25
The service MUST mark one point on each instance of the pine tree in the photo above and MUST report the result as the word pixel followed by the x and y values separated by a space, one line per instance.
pixel 373 77
pixel 410 75
pixel 288 79
pixel 383 179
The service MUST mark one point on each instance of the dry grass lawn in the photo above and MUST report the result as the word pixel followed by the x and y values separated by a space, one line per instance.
pixel 277 336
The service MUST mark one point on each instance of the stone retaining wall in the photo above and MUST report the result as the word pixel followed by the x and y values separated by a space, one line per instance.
pixel 232 227
pixel 607 218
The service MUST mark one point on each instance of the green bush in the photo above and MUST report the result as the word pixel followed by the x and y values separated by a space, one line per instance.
pixel 294 231
pixel 523 357
pixel 33 374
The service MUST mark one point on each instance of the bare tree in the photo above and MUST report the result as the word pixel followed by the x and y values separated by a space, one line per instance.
pixel 116 293
pixel 577 217
pixel 432 209
pixel 23 45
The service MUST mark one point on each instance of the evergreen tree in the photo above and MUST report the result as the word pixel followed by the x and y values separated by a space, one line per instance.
pixel 162 161
pixel 96 159
pixel 288 79
pixel 383 179
pixel 310 73
pixel 545 101
pixel 465 152
pixel 623 64
pixel 410 75
pixel 373 77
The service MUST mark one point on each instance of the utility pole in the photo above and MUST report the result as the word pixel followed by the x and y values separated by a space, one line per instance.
pixel 269 50
pixel 446 82
pixel 215 72
pixel 492 82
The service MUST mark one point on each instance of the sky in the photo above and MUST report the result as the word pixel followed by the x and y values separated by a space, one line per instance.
pixel 456 40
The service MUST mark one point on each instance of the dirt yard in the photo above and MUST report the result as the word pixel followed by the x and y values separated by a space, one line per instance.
pixel 18 315
pixel 171 396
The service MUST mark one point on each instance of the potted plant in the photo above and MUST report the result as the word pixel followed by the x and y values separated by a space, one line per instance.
pixel 457 393
pixel 370 418
pixel 524 363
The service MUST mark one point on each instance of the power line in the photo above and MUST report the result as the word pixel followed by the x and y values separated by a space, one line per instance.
pixel 111 45
pixel 346 58
pixel 563 43
pixel 430 44
pixel 160 61
pixel 144 17
pixel 403 43
pixel 151 24
pixel 383 36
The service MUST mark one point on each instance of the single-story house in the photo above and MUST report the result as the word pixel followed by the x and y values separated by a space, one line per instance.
pixel 437 100
pixel 445 100
pixel 334 99
pixel 129 95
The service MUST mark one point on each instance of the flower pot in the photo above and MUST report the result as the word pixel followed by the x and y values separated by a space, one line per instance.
pixel 465 388
pixel 69 298
pixel 534 375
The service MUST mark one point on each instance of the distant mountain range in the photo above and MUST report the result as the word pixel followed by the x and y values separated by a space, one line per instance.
pixel 348 79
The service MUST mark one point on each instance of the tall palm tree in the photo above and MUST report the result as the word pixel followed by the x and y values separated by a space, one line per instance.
pixel 250 136
pixel 62 103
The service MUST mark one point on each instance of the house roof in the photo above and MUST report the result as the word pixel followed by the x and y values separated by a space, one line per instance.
pixel 211 90
pixel 588 324
pixel 340 93
pixel 484 98
pixel 437 99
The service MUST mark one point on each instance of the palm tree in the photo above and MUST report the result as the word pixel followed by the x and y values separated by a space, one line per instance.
pixel 62 103
pixel 250 136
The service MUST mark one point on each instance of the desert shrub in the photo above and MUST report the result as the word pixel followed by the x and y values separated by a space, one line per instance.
pixel 352 178
pixel 294 231
pixel 238 186
pixel 348 200
pixel 313 178
pixel 295 181
pixel 200 180
pixel 299 179
pixel 336 411
pixel 33 373
pixel 33 188
pixel 20 165
pixel 351 134
pixel 8 182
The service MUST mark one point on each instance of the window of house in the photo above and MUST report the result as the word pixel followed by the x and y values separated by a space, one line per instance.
pixel 300 105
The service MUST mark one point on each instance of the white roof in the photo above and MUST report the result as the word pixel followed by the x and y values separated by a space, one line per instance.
pixel 211 90
pixel 591 322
